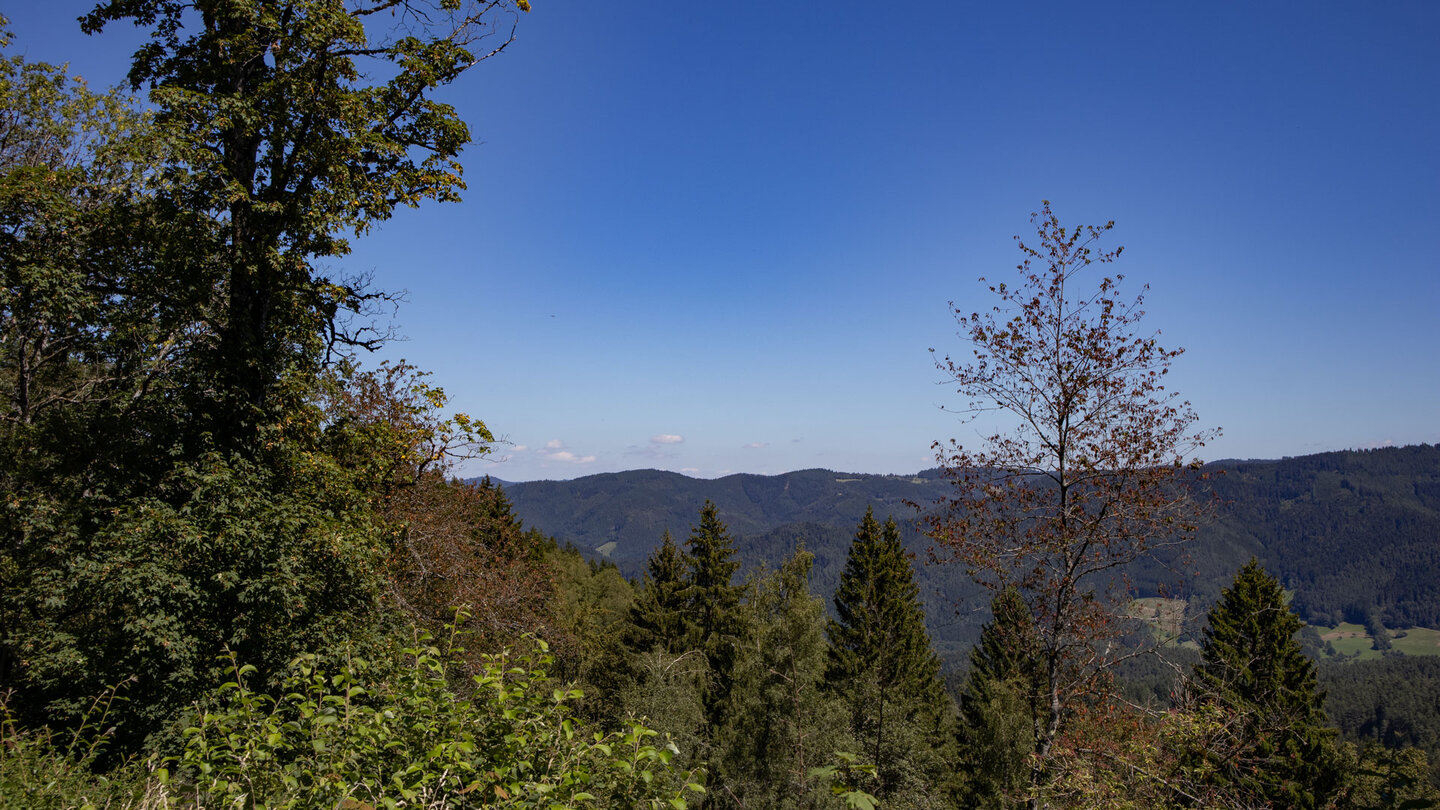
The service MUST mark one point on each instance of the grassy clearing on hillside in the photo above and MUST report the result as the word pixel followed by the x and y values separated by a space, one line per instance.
pixel 1351 639
pixel 1164 616
pixel 1417 641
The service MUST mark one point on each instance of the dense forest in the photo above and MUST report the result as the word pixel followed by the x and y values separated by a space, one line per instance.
pixel 238 569
pixel 1351 533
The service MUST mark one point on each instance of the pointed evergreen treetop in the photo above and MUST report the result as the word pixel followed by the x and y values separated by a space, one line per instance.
pixel 881 624
pixel 712 553
pixel 1250 654
pixel 659 615
pixel 713 604
pixel 1008 650
pixel 881 664
pixel 1281 753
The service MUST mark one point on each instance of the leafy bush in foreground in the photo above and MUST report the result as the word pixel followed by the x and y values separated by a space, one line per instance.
pixel 334 739
pixel 350 738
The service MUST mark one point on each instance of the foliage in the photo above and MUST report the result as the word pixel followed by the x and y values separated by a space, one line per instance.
pixel 713 601
pixel 881 665
pixel 1394 702
pixel 1090 474
pixel 1252 667
pixel 290 140
pixel 504 740
pixel 222 553
pixel 41 768
pixel 587 613
pixel 1379 777
pixel 999 708
pixel 780 722
pixel 659 617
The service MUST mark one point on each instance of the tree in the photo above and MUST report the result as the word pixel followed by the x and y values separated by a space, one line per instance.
pixel 658 618
pixel 781 723
pixel 999 709
pixel 1086 470
pixel 174 484
pixel 881 664
pixel 714 605
pixel 1251 666
pixel 290 144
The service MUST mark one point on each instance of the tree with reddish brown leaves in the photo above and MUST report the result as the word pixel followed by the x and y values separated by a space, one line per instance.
pixel 1086 467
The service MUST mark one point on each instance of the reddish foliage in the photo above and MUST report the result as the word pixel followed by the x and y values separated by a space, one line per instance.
pixel 1091 474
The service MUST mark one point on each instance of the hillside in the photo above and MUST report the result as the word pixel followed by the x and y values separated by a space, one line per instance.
pixel 1349 532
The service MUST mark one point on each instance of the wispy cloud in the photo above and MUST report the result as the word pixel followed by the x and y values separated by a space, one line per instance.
pixel 756 445
pixel 666 438
pixel 554 450
pixel 569 457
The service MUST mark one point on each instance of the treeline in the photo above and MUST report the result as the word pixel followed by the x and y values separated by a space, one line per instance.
pixel 758 687
pixel 1349 532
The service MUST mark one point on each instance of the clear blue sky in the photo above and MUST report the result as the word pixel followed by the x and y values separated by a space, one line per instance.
pixel 721 238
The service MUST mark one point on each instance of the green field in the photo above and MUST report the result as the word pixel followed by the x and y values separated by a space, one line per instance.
pixel 1351 639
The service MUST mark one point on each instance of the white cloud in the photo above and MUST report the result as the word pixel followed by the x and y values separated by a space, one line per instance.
pixel 756 445
pixel 519 448
pixel 554 450
pixel 666 438
pixel 690 470
pixel 569 457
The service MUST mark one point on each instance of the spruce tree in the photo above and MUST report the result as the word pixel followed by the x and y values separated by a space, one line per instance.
pixel 998 709
pixel 882 664
pixel 1279 750
pixel 780 723
pixel 658 617
pixel 713 603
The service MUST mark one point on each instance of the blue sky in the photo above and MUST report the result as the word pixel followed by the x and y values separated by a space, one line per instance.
pixel 721 238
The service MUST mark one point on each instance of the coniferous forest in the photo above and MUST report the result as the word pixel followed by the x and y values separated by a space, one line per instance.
pixel 239 567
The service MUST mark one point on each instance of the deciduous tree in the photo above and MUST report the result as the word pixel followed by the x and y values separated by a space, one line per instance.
pixel 299 122
pixel 1087 467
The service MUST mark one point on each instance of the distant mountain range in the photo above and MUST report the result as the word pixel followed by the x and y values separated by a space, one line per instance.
pixel 1351 533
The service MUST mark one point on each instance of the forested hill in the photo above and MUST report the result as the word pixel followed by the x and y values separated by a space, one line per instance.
pixel 1349 532
pixel 622 515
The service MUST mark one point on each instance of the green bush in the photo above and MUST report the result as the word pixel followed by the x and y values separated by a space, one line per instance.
pixel 349 739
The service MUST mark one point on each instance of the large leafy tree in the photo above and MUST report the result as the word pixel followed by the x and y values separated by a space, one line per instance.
pixel 881 664
pixel 1279 749
pixel 1086 470
pixel 291 143
pixel 175 485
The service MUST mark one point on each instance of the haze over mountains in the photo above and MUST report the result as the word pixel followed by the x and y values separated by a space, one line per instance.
pixel 1351 533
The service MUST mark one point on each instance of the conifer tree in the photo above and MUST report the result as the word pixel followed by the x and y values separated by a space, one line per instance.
pixel 882 664
pixel 713 603
pixel 1280 752
pixel 780 723
pixel 998 710
pixel 658 618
